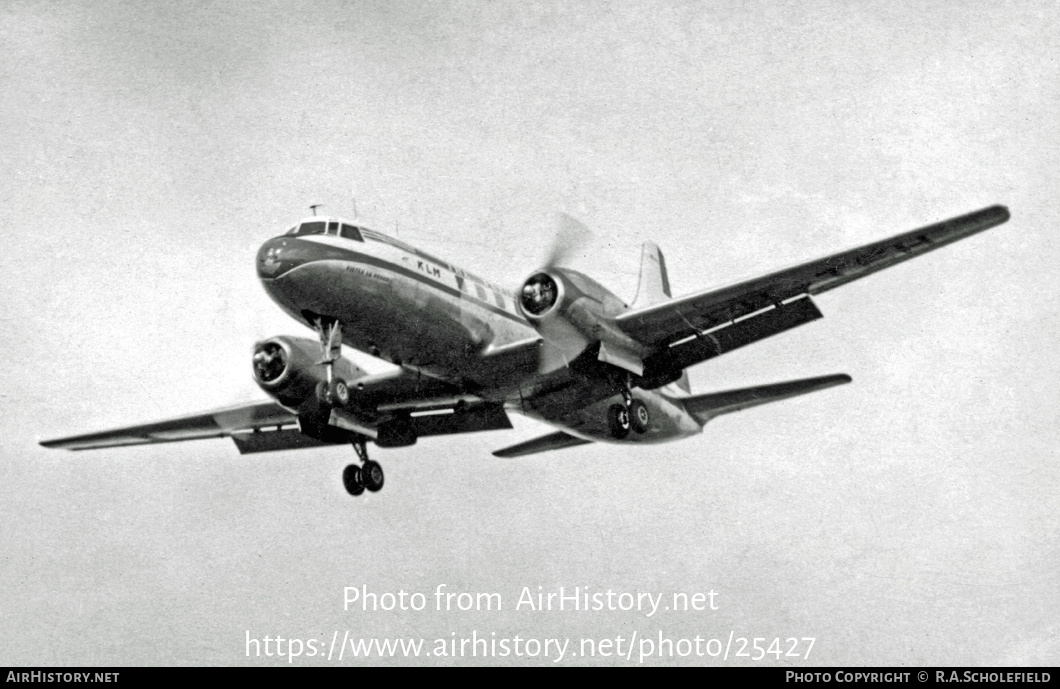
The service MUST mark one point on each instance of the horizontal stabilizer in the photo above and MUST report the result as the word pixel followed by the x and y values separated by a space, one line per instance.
pixel 552 441
pixel 706 407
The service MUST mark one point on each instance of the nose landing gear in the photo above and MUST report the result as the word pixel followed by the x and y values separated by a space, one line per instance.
pixel 334 391
pixel 367 476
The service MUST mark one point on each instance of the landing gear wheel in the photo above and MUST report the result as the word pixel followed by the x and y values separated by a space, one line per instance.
pixel 339 392
pixel 334 394
pixel 618 420
pixel 352 479
pixel 323 395
pixel 372 474
pixel 639 417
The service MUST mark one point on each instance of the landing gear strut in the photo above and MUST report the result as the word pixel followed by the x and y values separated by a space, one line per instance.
pixel 369 475
pixel 334 391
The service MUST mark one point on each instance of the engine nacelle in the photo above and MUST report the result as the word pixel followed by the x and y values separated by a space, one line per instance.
pixel 571 312
pixel 286 368
pixel 540 294
pixel 574 314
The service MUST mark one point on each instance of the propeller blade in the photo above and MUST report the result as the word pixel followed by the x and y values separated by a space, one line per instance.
pixel 571 236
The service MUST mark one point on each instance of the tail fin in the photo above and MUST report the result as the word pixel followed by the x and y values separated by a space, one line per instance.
pixel 654 286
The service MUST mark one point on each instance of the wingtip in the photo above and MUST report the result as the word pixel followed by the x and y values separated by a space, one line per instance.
pixel 999 213
pixel 833 379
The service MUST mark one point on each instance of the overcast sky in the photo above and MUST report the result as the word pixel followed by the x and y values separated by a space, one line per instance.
pixel 148 149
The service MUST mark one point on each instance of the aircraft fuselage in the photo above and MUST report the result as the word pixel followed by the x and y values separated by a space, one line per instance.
pixel 427 315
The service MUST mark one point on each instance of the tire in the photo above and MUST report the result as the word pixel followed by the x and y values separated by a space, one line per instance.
pixel 352 480
pixel 339 392
pixel 323 396
pixel 639 418
pixel 618 421
pixel 372 475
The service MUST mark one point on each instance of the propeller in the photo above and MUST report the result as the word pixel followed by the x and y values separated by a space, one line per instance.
pixel 571 236
pixel 562 340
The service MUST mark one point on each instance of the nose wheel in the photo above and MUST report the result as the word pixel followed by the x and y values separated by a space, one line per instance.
pixel 335 393
pixel 369 475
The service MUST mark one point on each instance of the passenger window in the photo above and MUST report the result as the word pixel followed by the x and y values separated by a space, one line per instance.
pixel 351 232
pixel 481 292
pixel 499 299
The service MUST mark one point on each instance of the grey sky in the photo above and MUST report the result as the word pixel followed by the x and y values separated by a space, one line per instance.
pixel 908 518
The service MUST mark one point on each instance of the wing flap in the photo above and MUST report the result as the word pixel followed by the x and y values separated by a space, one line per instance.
pixel 270 441
pixel 470 419
pixel 706 407
pixel 661 366
pixel 212 424
pixel 552 441
pixel 676 319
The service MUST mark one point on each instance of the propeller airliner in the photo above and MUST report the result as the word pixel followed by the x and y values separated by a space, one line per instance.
pixel 562 349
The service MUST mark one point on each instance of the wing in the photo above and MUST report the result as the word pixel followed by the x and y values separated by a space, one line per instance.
pixel 269 426
pixel 220 423
pixel 664 324
pixel 706 407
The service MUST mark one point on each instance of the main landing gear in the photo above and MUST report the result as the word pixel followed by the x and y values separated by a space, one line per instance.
pixel 631 414
pixel 369 475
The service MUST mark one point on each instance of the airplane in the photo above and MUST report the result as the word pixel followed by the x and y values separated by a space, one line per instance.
pixel 562 349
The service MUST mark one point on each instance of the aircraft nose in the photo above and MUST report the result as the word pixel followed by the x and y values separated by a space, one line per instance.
pixel 274 258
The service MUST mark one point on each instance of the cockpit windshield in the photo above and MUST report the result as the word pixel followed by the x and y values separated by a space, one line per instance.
pixel 332 227
pixel 314 227
pixel 351 232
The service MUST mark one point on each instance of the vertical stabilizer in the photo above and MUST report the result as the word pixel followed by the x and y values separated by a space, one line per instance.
pixel 654 286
